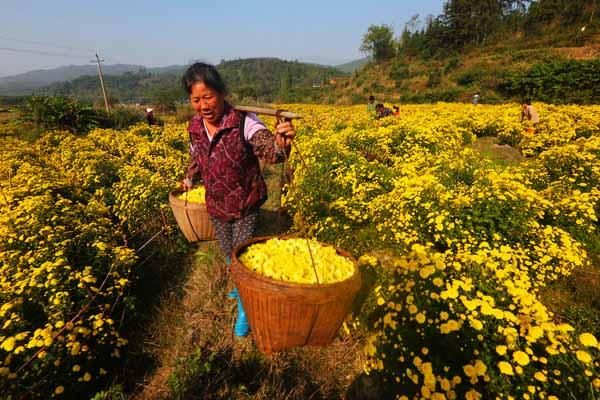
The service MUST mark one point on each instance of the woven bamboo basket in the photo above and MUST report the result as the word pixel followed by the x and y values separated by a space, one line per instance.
pixel 284 315
pixel 192 218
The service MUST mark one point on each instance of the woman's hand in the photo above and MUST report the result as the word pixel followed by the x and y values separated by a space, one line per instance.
pixel 285 134
pixel 186 185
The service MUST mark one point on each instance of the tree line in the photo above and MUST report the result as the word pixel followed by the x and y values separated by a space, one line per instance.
pixel 466 23
pixel 508 30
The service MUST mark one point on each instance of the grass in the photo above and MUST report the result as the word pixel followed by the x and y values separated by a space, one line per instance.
pixel 576 299
pixel 500 155
pixel 6 115
pixel 23 130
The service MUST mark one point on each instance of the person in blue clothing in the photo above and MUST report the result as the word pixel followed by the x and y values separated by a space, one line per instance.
pixel 381 111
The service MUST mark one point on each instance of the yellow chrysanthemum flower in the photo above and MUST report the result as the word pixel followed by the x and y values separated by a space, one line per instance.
pixel 540 376
pixel 583 356
pixel 290 260
pixel 8 344
pixel 480 367
pixel 196 195
pixel 469 370
pixel 505 368
pixel 588 340
pixel 472 395
pixel 521 357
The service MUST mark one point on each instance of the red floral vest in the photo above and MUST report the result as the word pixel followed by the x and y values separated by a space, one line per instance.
pixel 230 170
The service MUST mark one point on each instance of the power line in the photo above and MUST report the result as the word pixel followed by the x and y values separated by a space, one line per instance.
pixel 51 53
pixel 113 60
pixel 44 44
pixel 41 52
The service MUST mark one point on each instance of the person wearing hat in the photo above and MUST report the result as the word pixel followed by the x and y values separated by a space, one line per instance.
pixel 150 116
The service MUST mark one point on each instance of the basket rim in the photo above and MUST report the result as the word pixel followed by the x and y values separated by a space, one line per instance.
pixel 175 201
pixel 284 284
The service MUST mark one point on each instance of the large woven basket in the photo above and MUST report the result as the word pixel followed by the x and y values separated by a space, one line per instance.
pixel 192 218
pixel 284 315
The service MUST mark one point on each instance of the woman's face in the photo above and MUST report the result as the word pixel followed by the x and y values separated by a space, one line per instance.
pixel 207 102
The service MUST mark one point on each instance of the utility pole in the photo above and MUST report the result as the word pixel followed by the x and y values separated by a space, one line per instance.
pixel 98 60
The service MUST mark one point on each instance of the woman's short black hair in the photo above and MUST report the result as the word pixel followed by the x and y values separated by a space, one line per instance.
pixel 205 73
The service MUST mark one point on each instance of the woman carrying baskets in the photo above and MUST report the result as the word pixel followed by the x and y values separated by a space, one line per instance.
pixel 225 145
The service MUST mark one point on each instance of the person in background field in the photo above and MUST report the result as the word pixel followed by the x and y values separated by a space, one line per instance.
pixel 371 105
pixel 225 145
pixel 475 99
pixel 150 116
pixel 396 111
pixel 529 113
pixel 381 111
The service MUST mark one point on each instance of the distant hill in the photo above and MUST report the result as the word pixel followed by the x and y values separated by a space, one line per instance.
pixel 33 80
pixel 132 87
pixel 352 66
pixel 268 79
pixel 169 69
pixel 256 79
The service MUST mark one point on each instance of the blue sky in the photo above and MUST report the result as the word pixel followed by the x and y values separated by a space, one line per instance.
pixel 159 33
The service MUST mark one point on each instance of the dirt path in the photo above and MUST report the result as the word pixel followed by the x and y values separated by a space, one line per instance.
pixel 503 155
pixel 192 343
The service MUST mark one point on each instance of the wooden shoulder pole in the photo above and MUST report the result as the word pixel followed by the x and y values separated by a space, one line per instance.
pixel 268 111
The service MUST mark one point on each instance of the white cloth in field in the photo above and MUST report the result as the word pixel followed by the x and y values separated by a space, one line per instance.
pixel 532 114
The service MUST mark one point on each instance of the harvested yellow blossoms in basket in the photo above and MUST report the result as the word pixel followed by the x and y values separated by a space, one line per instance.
pixel 289 260
pixel 195 195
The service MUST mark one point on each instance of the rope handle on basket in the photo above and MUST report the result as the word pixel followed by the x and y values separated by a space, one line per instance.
pixel 285 160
